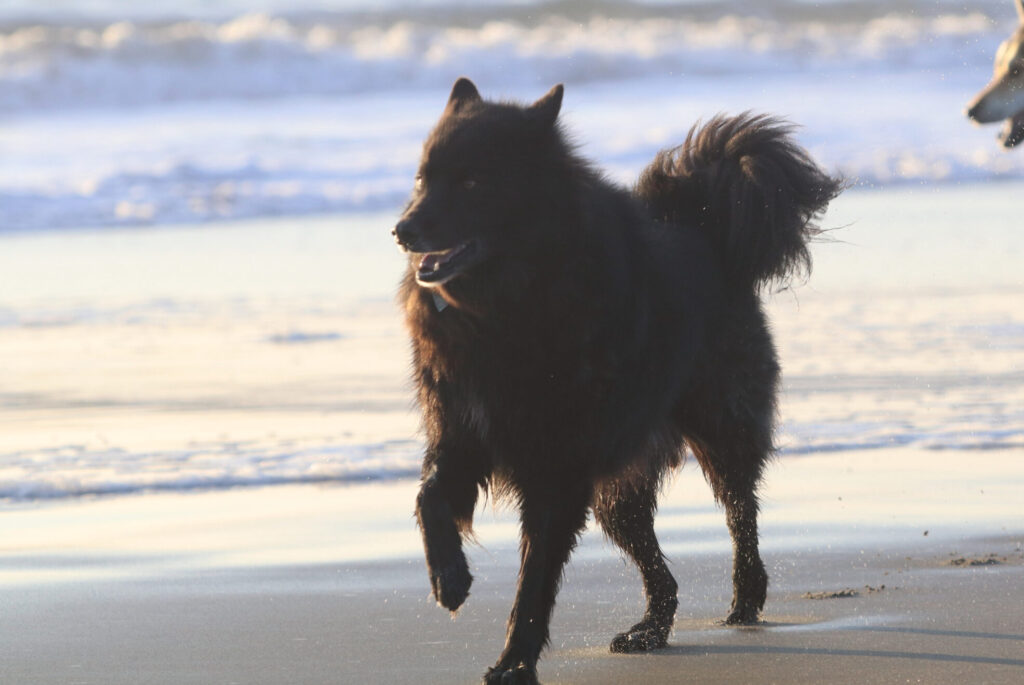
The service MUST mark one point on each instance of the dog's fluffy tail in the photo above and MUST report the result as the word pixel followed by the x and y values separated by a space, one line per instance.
pixel 751 188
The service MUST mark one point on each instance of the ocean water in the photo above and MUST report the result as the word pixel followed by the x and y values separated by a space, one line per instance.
pixel 195 198
pixel 264 352
pixel 122 113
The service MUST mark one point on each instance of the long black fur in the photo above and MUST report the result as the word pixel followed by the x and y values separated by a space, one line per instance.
pixel 736 173
pixel 587 335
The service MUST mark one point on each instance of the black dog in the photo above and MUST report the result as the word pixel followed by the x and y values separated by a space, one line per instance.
pixel 571 338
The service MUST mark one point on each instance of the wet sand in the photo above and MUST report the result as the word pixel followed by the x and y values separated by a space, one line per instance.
pixel 314 584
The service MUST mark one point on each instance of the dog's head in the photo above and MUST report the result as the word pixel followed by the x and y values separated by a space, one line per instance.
pixel 1003 97
pixel 484 167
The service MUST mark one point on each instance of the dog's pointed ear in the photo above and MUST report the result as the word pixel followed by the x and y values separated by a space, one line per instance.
pixel 463 93
pixel 546 109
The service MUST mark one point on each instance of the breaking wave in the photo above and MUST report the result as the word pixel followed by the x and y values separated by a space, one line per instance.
pixel 153 118
pixel 93 63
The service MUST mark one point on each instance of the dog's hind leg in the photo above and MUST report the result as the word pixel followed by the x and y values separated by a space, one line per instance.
pixel 444 510
pixel 749 578
pixel 733 457
pixel 729 426
pixel 551 524
pixel 626 513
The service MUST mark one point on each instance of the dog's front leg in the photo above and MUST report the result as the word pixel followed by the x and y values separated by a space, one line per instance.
pixel 551 524
pixel 444 510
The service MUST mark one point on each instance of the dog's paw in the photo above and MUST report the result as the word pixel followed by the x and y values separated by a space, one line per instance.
pixel 643 637
pixel 515 674
pixel 743 615
pixel 451 584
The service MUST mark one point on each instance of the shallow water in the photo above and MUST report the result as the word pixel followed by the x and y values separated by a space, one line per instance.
pixel 270 352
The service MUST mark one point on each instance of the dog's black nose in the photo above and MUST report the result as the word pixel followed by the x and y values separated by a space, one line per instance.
pixel 972 112
pixel 404 232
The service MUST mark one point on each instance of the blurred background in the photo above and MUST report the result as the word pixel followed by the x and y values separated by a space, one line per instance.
pixel 196 196
pixel 115 112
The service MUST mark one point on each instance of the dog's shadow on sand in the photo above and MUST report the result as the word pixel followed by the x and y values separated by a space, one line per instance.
pixel 779 650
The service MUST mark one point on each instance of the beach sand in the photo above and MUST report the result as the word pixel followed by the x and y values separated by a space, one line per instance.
pixel 325 584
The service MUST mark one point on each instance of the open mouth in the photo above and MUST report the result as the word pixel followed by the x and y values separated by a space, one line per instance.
pixel 1013 131
pixel 436 268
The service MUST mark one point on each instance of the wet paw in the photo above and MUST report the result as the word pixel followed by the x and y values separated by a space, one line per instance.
pixel 451 584
pixel 643 637
pixel 516 674
pixel 743 615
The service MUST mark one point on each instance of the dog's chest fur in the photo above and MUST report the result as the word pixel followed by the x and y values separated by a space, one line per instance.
pixel 530 382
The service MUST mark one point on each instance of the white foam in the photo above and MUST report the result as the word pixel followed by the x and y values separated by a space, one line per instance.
pixel 77 471
pixel 145 62
pixel 137 120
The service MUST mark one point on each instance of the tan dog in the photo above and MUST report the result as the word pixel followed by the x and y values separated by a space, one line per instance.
pixel 1003 97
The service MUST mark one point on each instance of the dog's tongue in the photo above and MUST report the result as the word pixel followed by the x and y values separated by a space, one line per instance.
pixel 1013 131
pixel 432 261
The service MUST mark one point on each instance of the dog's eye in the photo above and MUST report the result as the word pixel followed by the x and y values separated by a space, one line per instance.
pixel 469 184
